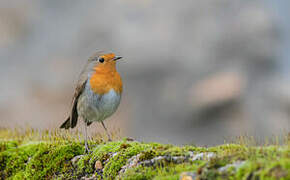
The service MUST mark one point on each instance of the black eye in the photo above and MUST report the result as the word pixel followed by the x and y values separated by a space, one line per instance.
pixel 101 60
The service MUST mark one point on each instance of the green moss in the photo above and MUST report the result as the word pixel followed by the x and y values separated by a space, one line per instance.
pixel 264 169
pixel 49 156
pixel 51 160
pixel 37 160
pixel 100 153
pixel 116 162
pixel 83 166
pixel 171 171
pixel 146 155
pixel 5 145
pixel 14 160
pixel 258 166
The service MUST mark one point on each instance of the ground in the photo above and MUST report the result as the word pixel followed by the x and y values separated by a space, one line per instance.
pixel 60 155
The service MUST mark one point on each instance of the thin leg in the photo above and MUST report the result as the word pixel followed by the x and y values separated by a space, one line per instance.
pixel 108 134
pixel 86 139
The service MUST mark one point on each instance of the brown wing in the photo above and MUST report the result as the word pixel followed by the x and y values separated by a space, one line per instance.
pixel 72 120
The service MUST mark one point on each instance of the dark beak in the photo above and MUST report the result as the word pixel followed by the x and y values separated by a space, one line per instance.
pixel 117 58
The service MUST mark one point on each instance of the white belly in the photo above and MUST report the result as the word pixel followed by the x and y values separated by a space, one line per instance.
pixel 93 107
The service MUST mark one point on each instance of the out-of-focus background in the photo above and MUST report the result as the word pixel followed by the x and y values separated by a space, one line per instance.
pixel 194 71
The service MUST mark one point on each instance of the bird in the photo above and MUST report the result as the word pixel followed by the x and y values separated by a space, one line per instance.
pixel 97 94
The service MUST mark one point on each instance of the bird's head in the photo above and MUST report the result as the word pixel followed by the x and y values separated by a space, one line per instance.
pixel 103 62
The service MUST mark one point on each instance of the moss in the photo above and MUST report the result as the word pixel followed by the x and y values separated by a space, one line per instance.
pixel 171 171
pixel 146 155
pixel 49 156
pixel 264 169
pixel 52 160
pixel 83 166
pixel 175 151
pixel 5 145
pixel 101 152
pixel 149 151
pixel 258 167
pixel 37 160
pixel 14 160
pixel 115 163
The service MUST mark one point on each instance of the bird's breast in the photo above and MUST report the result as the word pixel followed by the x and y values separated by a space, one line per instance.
pixel 101 96
pixel 102 82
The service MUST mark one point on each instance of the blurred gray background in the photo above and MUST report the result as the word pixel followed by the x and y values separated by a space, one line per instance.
pixel 194 71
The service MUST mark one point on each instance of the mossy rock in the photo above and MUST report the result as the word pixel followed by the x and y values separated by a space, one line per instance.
pixel 51 158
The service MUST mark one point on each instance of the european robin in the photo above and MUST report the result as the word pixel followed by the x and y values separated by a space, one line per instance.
pixel 97 94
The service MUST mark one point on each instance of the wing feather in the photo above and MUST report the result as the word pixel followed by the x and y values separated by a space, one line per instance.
pixel 72 120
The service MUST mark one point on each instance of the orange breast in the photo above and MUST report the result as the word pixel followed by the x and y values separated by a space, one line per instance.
pixel 102 83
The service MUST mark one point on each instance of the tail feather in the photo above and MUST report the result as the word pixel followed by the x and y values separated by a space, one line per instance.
pixel 70 122
pixel 66 124
pixel 74 119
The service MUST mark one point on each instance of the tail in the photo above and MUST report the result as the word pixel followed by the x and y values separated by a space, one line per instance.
pixel 70 122
pixel 66 124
